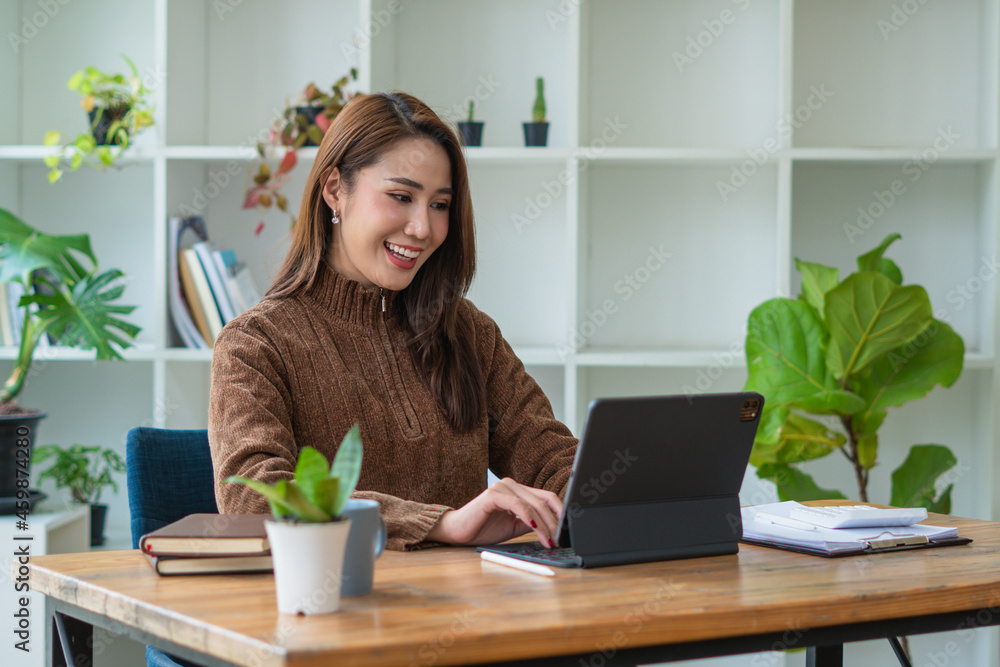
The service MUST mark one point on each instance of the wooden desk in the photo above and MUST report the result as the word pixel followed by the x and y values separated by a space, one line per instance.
pixel 446 606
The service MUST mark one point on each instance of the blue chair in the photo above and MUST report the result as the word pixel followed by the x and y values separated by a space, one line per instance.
pixel 156 498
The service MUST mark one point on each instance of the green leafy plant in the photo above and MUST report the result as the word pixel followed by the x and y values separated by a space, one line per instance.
pixel 119 109
pixel 63 299
pixel 538 111
pixel 310 117
pixel 472 105
pixel 846 351
pixel 86 470
pixel 318 493
pixel 306 120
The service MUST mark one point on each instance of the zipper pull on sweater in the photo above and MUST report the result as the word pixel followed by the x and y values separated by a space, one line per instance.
pixel 383 298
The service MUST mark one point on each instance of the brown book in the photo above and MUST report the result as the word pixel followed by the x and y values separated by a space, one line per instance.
pixel 209 534
pixel 166 565
pixel 189 285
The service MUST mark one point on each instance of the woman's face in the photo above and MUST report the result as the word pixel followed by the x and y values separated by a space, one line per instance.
pixel 395 218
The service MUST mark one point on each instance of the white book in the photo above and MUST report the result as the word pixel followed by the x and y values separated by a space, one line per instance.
pixel 216 281
pixel 14 293
pixel 204 293
pixel 179 309
pixel 246 287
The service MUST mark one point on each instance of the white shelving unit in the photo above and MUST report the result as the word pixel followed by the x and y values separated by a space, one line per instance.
pixel 696 148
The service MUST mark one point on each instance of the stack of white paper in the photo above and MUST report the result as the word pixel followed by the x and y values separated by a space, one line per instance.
pixel 779 529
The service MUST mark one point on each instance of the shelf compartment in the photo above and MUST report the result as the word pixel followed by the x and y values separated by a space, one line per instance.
pixel 721 252
pixel 113 208
pixel 523 252
pixel 73 28
pixel 709 75
pixel 409 54
pixel 944 213
pixel 875 59
pixel 228 76
pixel 215 190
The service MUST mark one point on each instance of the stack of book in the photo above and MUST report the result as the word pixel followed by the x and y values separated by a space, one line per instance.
pixel 208 285
pixel 12 315
pixel 209 544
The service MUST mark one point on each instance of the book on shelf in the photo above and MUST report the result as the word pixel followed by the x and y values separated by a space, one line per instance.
pixel 214 564
pixel 199 296
pixel 180 309
pixel 216 280
pixel 243 293
pixel 214 534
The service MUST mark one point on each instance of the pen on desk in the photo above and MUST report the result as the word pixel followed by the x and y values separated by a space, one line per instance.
pixel 517 564
pixel 784 521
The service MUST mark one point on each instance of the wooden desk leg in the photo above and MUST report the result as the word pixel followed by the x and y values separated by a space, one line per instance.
pixel 825 656
pixel 77 636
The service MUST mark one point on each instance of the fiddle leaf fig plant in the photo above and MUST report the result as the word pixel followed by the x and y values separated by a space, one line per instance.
pixel 318 492
pixel 830 365
pixel 63 298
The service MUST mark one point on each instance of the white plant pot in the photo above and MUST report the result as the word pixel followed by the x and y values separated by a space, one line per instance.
pixel 308 562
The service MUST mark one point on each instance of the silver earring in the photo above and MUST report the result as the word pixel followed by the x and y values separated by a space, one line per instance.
pixel 335 219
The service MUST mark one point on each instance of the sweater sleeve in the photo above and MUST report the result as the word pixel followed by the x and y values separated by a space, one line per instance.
pixel 527 442
pixel 249 418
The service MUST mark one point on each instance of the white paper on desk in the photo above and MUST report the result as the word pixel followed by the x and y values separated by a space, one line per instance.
pixel 830 540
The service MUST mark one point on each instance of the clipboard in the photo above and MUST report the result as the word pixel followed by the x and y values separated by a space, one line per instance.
pixel 896 543
pixel 771 526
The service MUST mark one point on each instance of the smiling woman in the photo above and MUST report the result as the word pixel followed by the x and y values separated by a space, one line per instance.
pixel 367 322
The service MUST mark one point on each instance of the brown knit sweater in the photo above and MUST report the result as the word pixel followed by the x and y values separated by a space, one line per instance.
pixel 302 370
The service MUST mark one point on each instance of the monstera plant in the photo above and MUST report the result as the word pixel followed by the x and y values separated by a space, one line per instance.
pixel 832 362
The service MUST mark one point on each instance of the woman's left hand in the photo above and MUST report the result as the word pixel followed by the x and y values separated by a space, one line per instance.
pixel 505 510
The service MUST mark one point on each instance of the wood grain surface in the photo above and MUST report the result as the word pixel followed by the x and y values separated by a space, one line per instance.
pixel 446 606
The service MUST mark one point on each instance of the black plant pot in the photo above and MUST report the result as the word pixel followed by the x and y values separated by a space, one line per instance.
pixel 17 437
pixel 99 127
pixel 472 132
pixel 310 113
pixel 98 513
pixel 536 134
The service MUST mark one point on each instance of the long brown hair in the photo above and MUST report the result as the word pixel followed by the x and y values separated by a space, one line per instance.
pixel 360 136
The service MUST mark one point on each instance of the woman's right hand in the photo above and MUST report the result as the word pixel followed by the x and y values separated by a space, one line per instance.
pixel 503 511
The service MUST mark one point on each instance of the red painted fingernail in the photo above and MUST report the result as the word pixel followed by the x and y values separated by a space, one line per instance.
pixel 533 524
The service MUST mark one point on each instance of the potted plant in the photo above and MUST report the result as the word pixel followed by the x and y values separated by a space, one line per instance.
pixel 845 351
pixel 86 470
pixel 536 132
pixel 472 131
pixel 118 107
pixel 301 124
pixel 307 121
pixel 308 534
pixel 62 300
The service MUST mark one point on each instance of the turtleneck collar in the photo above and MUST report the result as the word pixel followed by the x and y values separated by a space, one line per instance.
pixel 348 300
